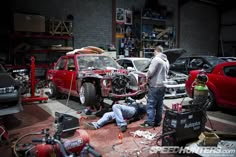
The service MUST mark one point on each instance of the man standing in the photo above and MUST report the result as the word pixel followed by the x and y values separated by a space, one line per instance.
pixel 120 113
pixel 157 75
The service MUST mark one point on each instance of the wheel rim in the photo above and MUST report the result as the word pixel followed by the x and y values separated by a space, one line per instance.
pixel 81 95
pixel 51 88
pixel 210 100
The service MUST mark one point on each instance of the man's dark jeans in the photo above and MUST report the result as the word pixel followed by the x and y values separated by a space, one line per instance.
pixel 155 104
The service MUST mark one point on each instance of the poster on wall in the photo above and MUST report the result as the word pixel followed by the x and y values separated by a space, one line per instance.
pixel 120 15
pixel 128 17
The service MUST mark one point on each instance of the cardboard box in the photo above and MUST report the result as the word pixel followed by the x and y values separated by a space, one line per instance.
pixel 209 139
pixel 29 23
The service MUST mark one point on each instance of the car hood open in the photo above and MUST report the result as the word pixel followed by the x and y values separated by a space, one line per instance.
pixel 173 54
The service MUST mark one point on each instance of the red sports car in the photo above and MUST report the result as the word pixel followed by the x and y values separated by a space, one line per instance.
pixel 221 84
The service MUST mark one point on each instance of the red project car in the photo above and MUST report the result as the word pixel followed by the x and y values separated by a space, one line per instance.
pixel 221 84
pixel 91 75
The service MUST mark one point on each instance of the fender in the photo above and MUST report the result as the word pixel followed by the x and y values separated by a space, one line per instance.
pixel 86 77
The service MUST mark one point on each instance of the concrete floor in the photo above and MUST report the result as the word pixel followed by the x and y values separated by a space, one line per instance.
pixel 105 140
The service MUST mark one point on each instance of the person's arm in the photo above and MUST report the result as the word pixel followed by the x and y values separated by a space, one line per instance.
pixel 152 68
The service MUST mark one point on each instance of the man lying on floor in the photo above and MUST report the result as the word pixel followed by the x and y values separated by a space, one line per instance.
pixel 121 113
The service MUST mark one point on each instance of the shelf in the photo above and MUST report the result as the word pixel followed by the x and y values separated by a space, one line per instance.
pixel 153 19
pixel 45 36
pixel 28 66
pixel 47 50
pixel 155 40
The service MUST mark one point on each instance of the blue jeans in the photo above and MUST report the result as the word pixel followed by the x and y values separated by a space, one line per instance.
pixel 119 113
pixel 155 104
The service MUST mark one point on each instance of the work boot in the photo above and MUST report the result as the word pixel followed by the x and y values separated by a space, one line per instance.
pixel 89 126
pixel 146 125
pixel 123 128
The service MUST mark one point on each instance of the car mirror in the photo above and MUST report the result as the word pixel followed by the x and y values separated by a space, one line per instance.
pixel 130 69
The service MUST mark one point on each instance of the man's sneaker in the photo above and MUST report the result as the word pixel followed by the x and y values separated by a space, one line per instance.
pixel 157 124
pixel 123 128
pixel 146 125
pixel 89 126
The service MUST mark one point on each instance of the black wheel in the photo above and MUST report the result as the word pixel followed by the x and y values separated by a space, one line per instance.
pixel 52 90
pixel 87 94
pixel 211 104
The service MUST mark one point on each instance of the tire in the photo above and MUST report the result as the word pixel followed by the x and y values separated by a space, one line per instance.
pixel 53 90
pixel 211 101
pixel 87 94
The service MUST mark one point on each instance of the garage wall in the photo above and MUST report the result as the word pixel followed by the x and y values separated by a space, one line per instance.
pixel 92 20
pixel 4 29
pixel 199 28
pixel 130 4
pixel 172 6
pixel 228 32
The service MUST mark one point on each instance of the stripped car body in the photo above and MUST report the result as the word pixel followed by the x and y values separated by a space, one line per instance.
pixel 91 75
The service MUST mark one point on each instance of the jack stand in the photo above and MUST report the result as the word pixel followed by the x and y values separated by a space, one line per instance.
pixel 32 98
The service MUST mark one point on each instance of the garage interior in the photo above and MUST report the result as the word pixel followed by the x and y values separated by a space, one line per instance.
pixel 48 29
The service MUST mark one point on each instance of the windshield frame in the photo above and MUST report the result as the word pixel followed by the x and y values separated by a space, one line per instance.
pixel 140 61
pixel 213 61
pixel 101 62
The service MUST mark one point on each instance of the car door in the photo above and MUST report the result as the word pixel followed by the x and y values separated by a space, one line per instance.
pixel 59 75
pixel 70 76
pixel 229 85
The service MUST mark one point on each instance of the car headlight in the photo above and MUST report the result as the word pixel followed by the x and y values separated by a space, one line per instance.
pixel 104 83
pixel 171 82
pixel 7 90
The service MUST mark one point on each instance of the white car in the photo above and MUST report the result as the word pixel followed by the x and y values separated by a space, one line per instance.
pixel 175 86
pixel 228 59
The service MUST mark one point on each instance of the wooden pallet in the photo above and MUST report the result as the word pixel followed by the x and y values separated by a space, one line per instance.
pixel 60 27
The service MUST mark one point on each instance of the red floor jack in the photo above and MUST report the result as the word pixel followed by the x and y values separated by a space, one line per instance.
pixel 33 97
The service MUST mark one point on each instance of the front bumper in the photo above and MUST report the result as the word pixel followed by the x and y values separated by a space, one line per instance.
pixel 10 103
pixel 175 90
pixel 9 97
